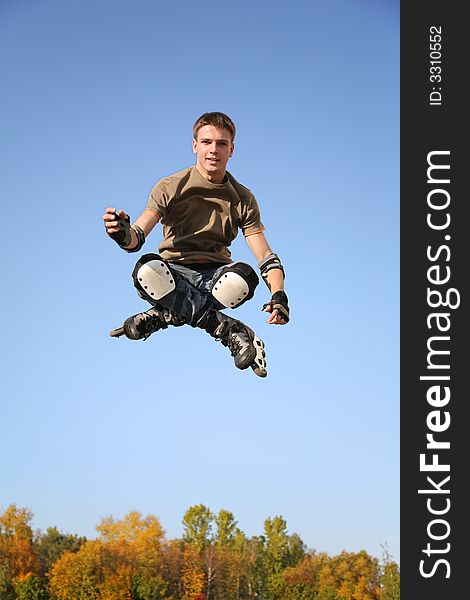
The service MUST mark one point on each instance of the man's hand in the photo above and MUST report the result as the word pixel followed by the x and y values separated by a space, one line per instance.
pixel 111 224
pixel 278 309
pixel 118 227
pixel 129 237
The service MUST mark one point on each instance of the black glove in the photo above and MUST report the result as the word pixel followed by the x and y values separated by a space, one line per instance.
pixel 279 302
pixel 123 236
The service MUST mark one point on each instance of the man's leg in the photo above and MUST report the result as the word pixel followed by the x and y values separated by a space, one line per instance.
pixel 195 296
pixel 175 287
pixel 193 293
pixel 231 286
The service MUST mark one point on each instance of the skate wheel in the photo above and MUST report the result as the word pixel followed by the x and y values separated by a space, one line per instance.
pixel 259 365
pixel 260 371
pixel 117 332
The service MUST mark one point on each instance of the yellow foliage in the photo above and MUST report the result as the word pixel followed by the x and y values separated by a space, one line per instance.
pixel 132 528
pixel 117 584
pixel 74 575
pixel 138 539
pixel 194 578
pixel 351 576
pixel 131 557
pixel 16 522
pixel 16 556
pixel 105 568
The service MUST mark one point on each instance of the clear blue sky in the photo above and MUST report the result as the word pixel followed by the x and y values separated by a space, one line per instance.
pixel 98 101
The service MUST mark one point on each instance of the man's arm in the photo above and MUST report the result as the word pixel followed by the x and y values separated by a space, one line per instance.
pixel 274 277
pixel 146 222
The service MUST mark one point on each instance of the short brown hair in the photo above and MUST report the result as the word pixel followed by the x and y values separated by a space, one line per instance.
pixel 217 119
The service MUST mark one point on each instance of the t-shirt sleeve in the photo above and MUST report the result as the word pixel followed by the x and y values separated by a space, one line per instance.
pixel 158 198
pixel 251 219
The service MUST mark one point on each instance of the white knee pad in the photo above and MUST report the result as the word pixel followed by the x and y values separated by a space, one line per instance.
pixel 235 285
pixel 230 290
pixel 155 279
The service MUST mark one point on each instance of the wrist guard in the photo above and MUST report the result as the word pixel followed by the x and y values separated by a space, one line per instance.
pixel 280 303
pixel 123 236
pixel 270 262
pixel 140 238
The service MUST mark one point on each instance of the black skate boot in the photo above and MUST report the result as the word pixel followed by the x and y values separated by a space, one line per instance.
pixel 245 346
pixel 142 325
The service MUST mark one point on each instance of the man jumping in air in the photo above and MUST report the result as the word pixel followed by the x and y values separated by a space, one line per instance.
pixel 193 277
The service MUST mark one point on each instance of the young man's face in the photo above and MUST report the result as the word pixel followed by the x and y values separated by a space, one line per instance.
pixel 213 148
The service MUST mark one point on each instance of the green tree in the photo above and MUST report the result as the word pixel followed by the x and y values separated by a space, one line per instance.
pixel 197 523
pixel 296 549
pixel 256 572
pixel 226 527
pixel 30 587
pixel 145 588
pixel 276 556
pixel 7 591
pixel 277 543
pixel 390 582
pixel 389 578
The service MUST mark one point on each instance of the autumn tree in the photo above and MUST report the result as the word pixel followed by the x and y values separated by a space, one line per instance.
pixel 237 559
pixel 217 556
pixel 302 579
pixel 193 576
pixel 356 575
pixel 198 522
pixel 16 522
pixel 17 558
pixel 124 563
pixel 348 576
pixel 50 546
pixel 139 537
pixel 77 574
pixel 220 558
pixel 214 560
pixel 97 570
pixel 137 542
pixel 172 553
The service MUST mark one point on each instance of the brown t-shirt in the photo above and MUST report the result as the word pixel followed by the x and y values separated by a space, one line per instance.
pixel 201 219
